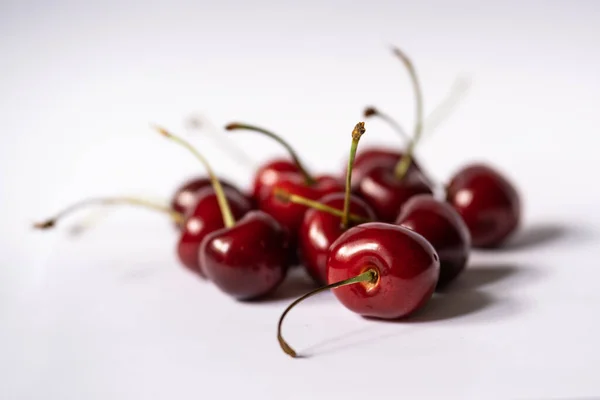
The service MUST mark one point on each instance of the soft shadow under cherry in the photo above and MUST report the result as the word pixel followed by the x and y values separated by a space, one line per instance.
pixel 296 283
pixel 542 234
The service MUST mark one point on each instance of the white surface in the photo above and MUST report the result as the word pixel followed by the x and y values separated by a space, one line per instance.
pixel 111 315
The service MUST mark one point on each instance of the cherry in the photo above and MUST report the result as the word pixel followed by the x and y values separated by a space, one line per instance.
pixel 444 228
pixel 489 204
pixel 204 218
pixel 246 259
pixel 185 196
pixel 393 272
pixel 268 175
pixel 385 189
pixel 289 215
pixel 320 227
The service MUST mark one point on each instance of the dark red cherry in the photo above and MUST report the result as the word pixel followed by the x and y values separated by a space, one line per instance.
pixel 290 215
pixel 405 264
pixel 444 228
pixel 204 218
pixel 269 174
pixel 184 197
pixel 386 194
pixel 488 203
pixel 376 157
pixel 249 259
pixel 320 229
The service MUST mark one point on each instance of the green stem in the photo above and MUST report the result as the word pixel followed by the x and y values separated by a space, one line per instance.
pixel 404 164
pixel 239 126
pixel 226 213
pixel 286 196
pixel 357 132
pixel 51 222
pixel 370 275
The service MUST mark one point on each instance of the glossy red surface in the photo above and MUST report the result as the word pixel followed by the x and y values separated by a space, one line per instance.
pixel 269 174
pixel 406 262
pixel 444 228
pixel 488 203
pixel 204 218
pixel 386 194
pixel 320 229
pixel 248 260
pixel 290 215
pixel 184 197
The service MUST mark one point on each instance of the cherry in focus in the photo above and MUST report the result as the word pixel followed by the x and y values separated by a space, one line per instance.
pixel 203 219
pixel 444 228
pixel 488 203
pixel 248 260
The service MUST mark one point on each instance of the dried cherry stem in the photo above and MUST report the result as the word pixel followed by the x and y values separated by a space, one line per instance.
pixel 286 196
pixel 308 178
pixel 370 275
pixel 51 222
pixel 375 112
pixel 404 164
pixel 228 219
pixel 357 132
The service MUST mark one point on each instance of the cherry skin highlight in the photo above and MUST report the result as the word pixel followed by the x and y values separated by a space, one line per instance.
pixel 407 269
pixel 184 197
pixel 386 194
pixel 444 228
pixel 248 260
pixel 290 215
pixel 203 219
pixel 488 203
pixel 376 157
pixel 269 174
pixel 320 229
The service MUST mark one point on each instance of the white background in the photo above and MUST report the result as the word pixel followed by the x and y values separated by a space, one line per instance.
pixel 111 315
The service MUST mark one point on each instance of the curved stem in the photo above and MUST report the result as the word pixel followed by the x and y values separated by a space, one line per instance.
pixel 201 123
pixel 369 275
pixel 357 132
pixel 51 222
pixel 403 165
pixel 286 196
pixel 375 112
pixel 239 126
pixel 441 112
pixel 226 213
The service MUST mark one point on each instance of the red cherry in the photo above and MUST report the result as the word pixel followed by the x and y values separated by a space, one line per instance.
pixel 269 174
pixel 290 215
pixel 488 203
pixel 203 219
pixel 185 196
pixel 378 270
pixel 406 264
pixel 249 259
pixel 300 182
pixel 444 228
pixel 386 193
pixel 320 229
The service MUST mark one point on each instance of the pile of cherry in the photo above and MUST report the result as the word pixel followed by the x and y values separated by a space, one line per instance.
pixel 376 235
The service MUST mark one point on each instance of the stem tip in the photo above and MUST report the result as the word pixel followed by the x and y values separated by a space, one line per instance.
pixel 369 112
pixel 358 131
pixel 45 224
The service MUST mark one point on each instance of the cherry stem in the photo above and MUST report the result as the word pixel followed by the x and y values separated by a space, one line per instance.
pixel 404 164
pixel 286 196
pixel 357 132
pixel 370 275
pixel 51 222
pixel 228 219
pixel 201 123
pixel 240 126
pixel 374 112
pixel 444 109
